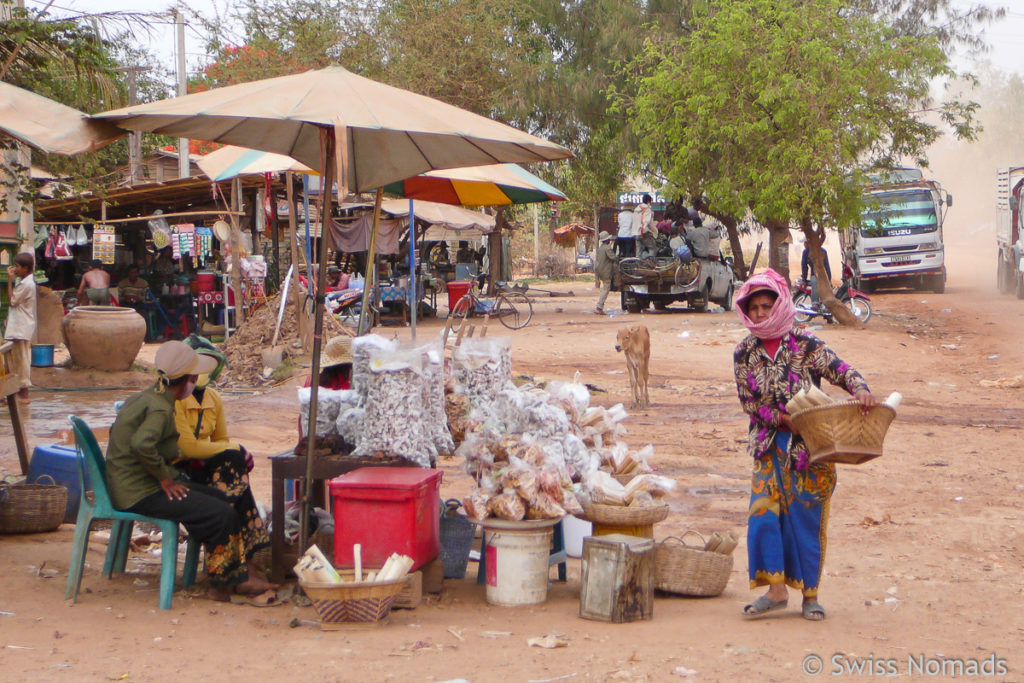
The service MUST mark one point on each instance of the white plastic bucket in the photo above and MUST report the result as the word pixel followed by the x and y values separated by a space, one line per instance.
pixel 517 566
pixel 575 530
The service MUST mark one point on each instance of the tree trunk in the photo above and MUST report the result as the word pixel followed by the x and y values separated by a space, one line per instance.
pixel 494 252
pixel 840 312
pixel 778 248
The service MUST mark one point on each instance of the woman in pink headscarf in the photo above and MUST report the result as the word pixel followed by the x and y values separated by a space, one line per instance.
pixel 789 499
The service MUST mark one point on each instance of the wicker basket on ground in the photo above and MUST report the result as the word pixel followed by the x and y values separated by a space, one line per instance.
pixel 690 570
pixel 32 508
pixel 840 433
pixel 353 605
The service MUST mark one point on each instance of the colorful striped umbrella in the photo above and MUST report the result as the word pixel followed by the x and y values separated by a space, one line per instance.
pixel 491 185
pixel 230 161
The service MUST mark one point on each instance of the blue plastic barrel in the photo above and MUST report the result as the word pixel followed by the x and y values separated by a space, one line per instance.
pixel 61 463
pixel 42 355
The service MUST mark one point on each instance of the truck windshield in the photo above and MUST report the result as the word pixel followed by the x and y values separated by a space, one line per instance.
pixel 893 214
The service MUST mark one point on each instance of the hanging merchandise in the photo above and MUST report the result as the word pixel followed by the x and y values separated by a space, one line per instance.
pixel 81 237
pixel 51 244
pixel 204 244
pixel 175 244
pixel 160 230
pixel 62 251
pixel 184 234
pixel 104 244
pixel 40 236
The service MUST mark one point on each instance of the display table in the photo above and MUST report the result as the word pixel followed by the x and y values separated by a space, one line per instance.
pixel 287 465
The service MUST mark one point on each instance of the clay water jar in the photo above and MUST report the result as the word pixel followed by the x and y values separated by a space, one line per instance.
pixel 104 337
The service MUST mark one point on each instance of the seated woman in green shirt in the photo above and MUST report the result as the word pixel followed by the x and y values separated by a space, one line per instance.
pixel 142 478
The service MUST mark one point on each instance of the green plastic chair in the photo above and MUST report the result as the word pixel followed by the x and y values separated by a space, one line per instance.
pixel 90 460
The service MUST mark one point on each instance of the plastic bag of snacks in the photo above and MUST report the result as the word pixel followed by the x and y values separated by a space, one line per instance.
pixel 362 349
pixel 394 421
pixel 482 367
pixel 434 400
pixel 328 404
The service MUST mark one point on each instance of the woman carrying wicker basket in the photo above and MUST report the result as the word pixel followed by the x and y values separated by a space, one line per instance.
pixel 789 499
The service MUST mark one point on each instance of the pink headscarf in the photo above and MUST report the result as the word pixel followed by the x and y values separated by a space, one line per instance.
pixel 781 319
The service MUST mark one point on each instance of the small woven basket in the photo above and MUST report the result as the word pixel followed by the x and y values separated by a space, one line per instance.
pixel 688 570
pixel 840 433
pixel 456 540
pixel 32 508
pixel 352 605
pixel 618 515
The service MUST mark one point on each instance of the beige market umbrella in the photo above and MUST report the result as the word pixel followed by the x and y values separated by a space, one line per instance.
pixel 391 134
pixel 231 161
pixel 376 134
pixel 51 126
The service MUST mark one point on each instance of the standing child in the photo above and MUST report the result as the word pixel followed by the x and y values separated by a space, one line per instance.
pixel 21 318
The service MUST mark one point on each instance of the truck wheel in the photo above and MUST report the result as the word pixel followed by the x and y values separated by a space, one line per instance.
pixel 727 299
pixel 939 283
pixel 865 286
pixel 660 305
pixel 700 305
pixel 628 302
pixel 642 303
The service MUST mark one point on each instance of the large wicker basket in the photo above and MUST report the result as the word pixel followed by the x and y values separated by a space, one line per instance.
pixel 840 433
pixel 32 508
pixel 352 605
pixel 689 570
pixel 618 515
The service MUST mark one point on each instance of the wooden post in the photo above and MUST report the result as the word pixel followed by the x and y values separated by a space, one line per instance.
pixel 494 251
pixel 305 331
pixel 20 439
pixel 236 253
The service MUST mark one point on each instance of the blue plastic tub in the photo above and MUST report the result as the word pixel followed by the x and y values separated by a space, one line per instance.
pixel 42 355
pixel 61 463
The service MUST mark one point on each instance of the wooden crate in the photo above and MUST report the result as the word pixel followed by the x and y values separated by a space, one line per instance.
pixel 412 594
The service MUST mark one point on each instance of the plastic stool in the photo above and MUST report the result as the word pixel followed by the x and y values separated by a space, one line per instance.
pixel 557 555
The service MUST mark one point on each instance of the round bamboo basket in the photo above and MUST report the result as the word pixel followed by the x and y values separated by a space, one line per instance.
pixel 352 605
pixel 32 508
pixel 618 515
pixel 688 570
pixel 840 433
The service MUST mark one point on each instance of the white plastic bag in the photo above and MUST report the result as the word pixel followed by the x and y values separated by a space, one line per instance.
pixel 328 403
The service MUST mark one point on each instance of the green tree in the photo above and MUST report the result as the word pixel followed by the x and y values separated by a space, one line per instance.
pixel 778 107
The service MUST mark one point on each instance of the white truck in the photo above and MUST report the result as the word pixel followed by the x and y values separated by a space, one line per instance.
pixel 899 239
pixel 1009 237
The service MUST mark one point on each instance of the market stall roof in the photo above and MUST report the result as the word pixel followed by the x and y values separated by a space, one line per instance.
pixel 566 235
pixel 444 215
pixel 51 126
pixel 172 196
pixel 231 161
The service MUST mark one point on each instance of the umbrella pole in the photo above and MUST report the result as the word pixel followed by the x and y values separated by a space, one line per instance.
pixel 369 282
pixel 413 293
pixel 318 327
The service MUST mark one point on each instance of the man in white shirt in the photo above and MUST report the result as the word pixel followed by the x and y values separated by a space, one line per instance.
pixel 624 241
pixel 21 318
pixel 643 229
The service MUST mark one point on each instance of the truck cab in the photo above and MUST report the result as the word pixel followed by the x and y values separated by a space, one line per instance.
pixel 898 241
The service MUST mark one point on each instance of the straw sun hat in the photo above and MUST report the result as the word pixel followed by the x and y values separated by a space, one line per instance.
pixel 176 359
pixel 336 352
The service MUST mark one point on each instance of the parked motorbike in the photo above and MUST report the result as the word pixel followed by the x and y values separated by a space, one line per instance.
pixel 857 301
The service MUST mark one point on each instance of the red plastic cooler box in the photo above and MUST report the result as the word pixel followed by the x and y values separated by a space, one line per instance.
pixel 387 510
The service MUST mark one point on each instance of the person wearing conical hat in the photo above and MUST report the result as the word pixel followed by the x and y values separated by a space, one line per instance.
pixel 142 478
pixel 335 368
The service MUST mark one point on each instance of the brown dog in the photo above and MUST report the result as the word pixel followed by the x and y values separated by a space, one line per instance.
pixel 635 342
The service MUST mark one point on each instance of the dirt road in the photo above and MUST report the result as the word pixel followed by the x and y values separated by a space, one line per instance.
pixel 924 555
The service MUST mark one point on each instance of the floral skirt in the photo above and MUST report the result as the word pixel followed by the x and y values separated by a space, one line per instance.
pixel 787 520
pixel 227 473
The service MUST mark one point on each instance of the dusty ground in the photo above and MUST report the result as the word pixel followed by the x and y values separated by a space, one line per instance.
pixel 935 525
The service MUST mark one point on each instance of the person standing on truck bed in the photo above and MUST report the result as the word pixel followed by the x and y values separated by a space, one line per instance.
pixel 643 230
pixel 807 267
pixel 624 241
pixel 604 269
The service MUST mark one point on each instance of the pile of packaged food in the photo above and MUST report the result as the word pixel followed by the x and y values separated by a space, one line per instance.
pixel 538 453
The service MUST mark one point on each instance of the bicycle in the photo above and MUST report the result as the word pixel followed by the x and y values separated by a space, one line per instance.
pixel 513 309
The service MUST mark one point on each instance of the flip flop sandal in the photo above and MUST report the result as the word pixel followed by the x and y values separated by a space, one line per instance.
pixel 763 605
pixel 264 599
pixel 812 611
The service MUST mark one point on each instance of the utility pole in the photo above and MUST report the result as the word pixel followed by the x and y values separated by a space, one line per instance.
pixel 183 155
pixel 135 136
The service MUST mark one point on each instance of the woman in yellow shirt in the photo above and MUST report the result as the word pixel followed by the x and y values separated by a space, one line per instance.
pixel 211 459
